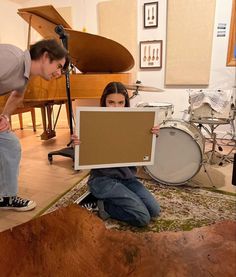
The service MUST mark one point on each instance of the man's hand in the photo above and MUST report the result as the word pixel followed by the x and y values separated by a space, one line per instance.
pixel 4 123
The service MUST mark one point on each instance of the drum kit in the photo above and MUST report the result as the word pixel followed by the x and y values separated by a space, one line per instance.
pixel 180 145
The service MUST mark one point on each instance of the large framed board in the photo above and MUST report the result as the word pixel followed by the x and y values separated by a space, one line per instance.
pixel 114 137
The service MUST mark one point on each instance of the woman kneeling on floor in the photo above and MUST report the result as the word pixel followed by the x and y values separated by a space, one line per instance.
pixel 120 194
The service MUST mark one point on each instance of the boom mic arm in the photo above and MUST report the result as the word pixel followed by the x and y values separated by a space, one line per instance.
pixel 59 29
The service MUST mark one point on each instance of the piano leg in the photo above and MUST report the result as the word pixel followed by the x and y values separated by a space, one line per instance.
pixel 48 132
pixel 33 117
pixel 21 120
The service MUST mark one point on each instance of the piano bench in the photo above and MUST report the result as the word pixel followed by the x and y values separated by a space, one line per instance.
pixel 22 110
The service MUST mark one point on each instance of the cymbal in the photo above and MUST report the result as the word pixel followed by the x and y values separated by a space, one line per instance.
pixel 140 87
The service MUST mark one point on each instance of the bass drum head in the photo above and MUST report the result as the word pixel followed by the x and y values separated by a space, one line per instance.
pixel 178 157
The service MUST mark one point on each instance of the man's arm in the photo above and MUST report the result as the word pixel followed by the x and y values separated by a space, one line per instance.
pixel 13 101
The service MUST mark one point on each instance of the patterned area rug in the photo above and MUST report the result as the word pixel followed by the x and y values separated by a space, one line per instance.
pixel 182 207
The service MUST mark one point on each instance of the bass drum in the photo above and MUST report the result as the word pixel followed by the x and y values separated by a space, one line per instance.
pixel 179 153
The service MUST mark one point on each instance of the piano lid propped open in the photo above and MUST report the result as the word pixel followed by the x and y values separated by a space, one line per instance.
pixel 100 60
pixel 90 53
pixel 47 12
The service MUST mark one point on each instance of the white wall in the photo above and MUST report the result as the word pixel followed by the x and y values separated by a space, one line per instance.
pixel 221 77
pixel 12 28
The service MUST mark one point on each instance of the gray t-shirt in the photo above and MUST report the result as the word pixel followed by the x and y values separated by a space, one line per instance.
pixel 14 68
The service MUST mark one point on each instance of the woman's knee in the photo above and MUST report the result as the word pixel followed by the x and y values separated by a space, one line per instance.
pixel 142 219
pixel 156 210
pixel 145 217
pixel 136 215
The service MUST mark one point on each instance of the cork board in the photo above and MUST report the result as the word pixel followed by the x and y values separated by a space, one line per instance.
pixel 114 137
pixel 189 41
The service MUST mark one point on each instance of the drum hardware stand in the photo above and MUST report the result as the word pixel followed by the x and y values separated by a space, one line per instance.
pixel 135 92
pixel 68 151
pixel 208 175
pixel 211 154
pixel 225 158
pixel 212 157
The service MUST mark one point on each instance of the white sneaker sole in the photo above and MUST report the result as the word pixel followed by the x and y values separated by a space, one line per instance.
pixel 31 206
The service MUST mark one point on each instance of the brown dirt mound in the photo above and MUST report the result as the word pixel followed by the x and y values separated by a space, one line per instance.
pixel 73 242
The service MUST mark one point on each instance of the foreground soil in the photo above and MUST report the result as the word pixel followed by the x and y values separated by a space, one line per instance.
pixel 73 242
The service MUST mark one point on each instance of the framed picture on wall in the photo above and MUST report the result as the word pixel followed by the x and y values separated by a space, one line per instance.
pixel 150 15
pixel 231 56
pixel 150 54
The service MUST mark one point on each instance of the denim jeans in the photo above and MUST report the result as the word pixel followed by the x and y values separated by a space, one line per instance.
pixel 125 200
pixel 10 154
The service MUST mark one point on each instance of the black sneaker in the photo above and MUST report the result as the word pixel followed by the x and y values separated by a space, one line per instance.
pixel 90 206
pixel 16 203
pixel 101 210
pixel 88 201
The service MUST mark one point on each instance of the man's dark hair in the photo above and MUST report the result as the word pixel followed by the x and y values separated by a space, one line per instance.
pixel 52 47
pixel 114 87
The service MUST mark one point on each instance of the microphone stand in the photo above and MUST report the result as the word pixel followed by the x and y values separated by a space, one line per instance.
pixel 68 151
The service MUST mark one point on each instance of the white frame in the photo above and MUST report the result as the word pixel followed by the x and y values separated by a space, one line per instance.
pixel 107 109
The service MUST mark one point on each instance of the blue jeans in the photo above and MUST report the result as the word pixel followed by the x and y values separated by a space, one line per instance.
pixel 125 200
pixel 10 154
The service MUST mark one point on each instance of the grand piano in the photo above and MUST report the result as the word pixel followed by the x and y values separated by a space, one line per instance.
pixel 98 60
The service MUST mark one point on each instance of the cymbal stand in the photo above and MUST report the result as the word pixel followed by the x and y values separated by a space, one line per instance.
pixel 135 92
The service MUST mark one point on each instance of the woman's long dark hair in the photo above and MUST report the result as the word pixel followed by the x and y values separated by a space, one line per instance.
pixel 114 87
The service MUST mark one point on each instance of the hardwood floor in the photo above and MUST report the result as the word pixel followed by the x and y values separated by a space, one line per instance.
pixel 38 180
